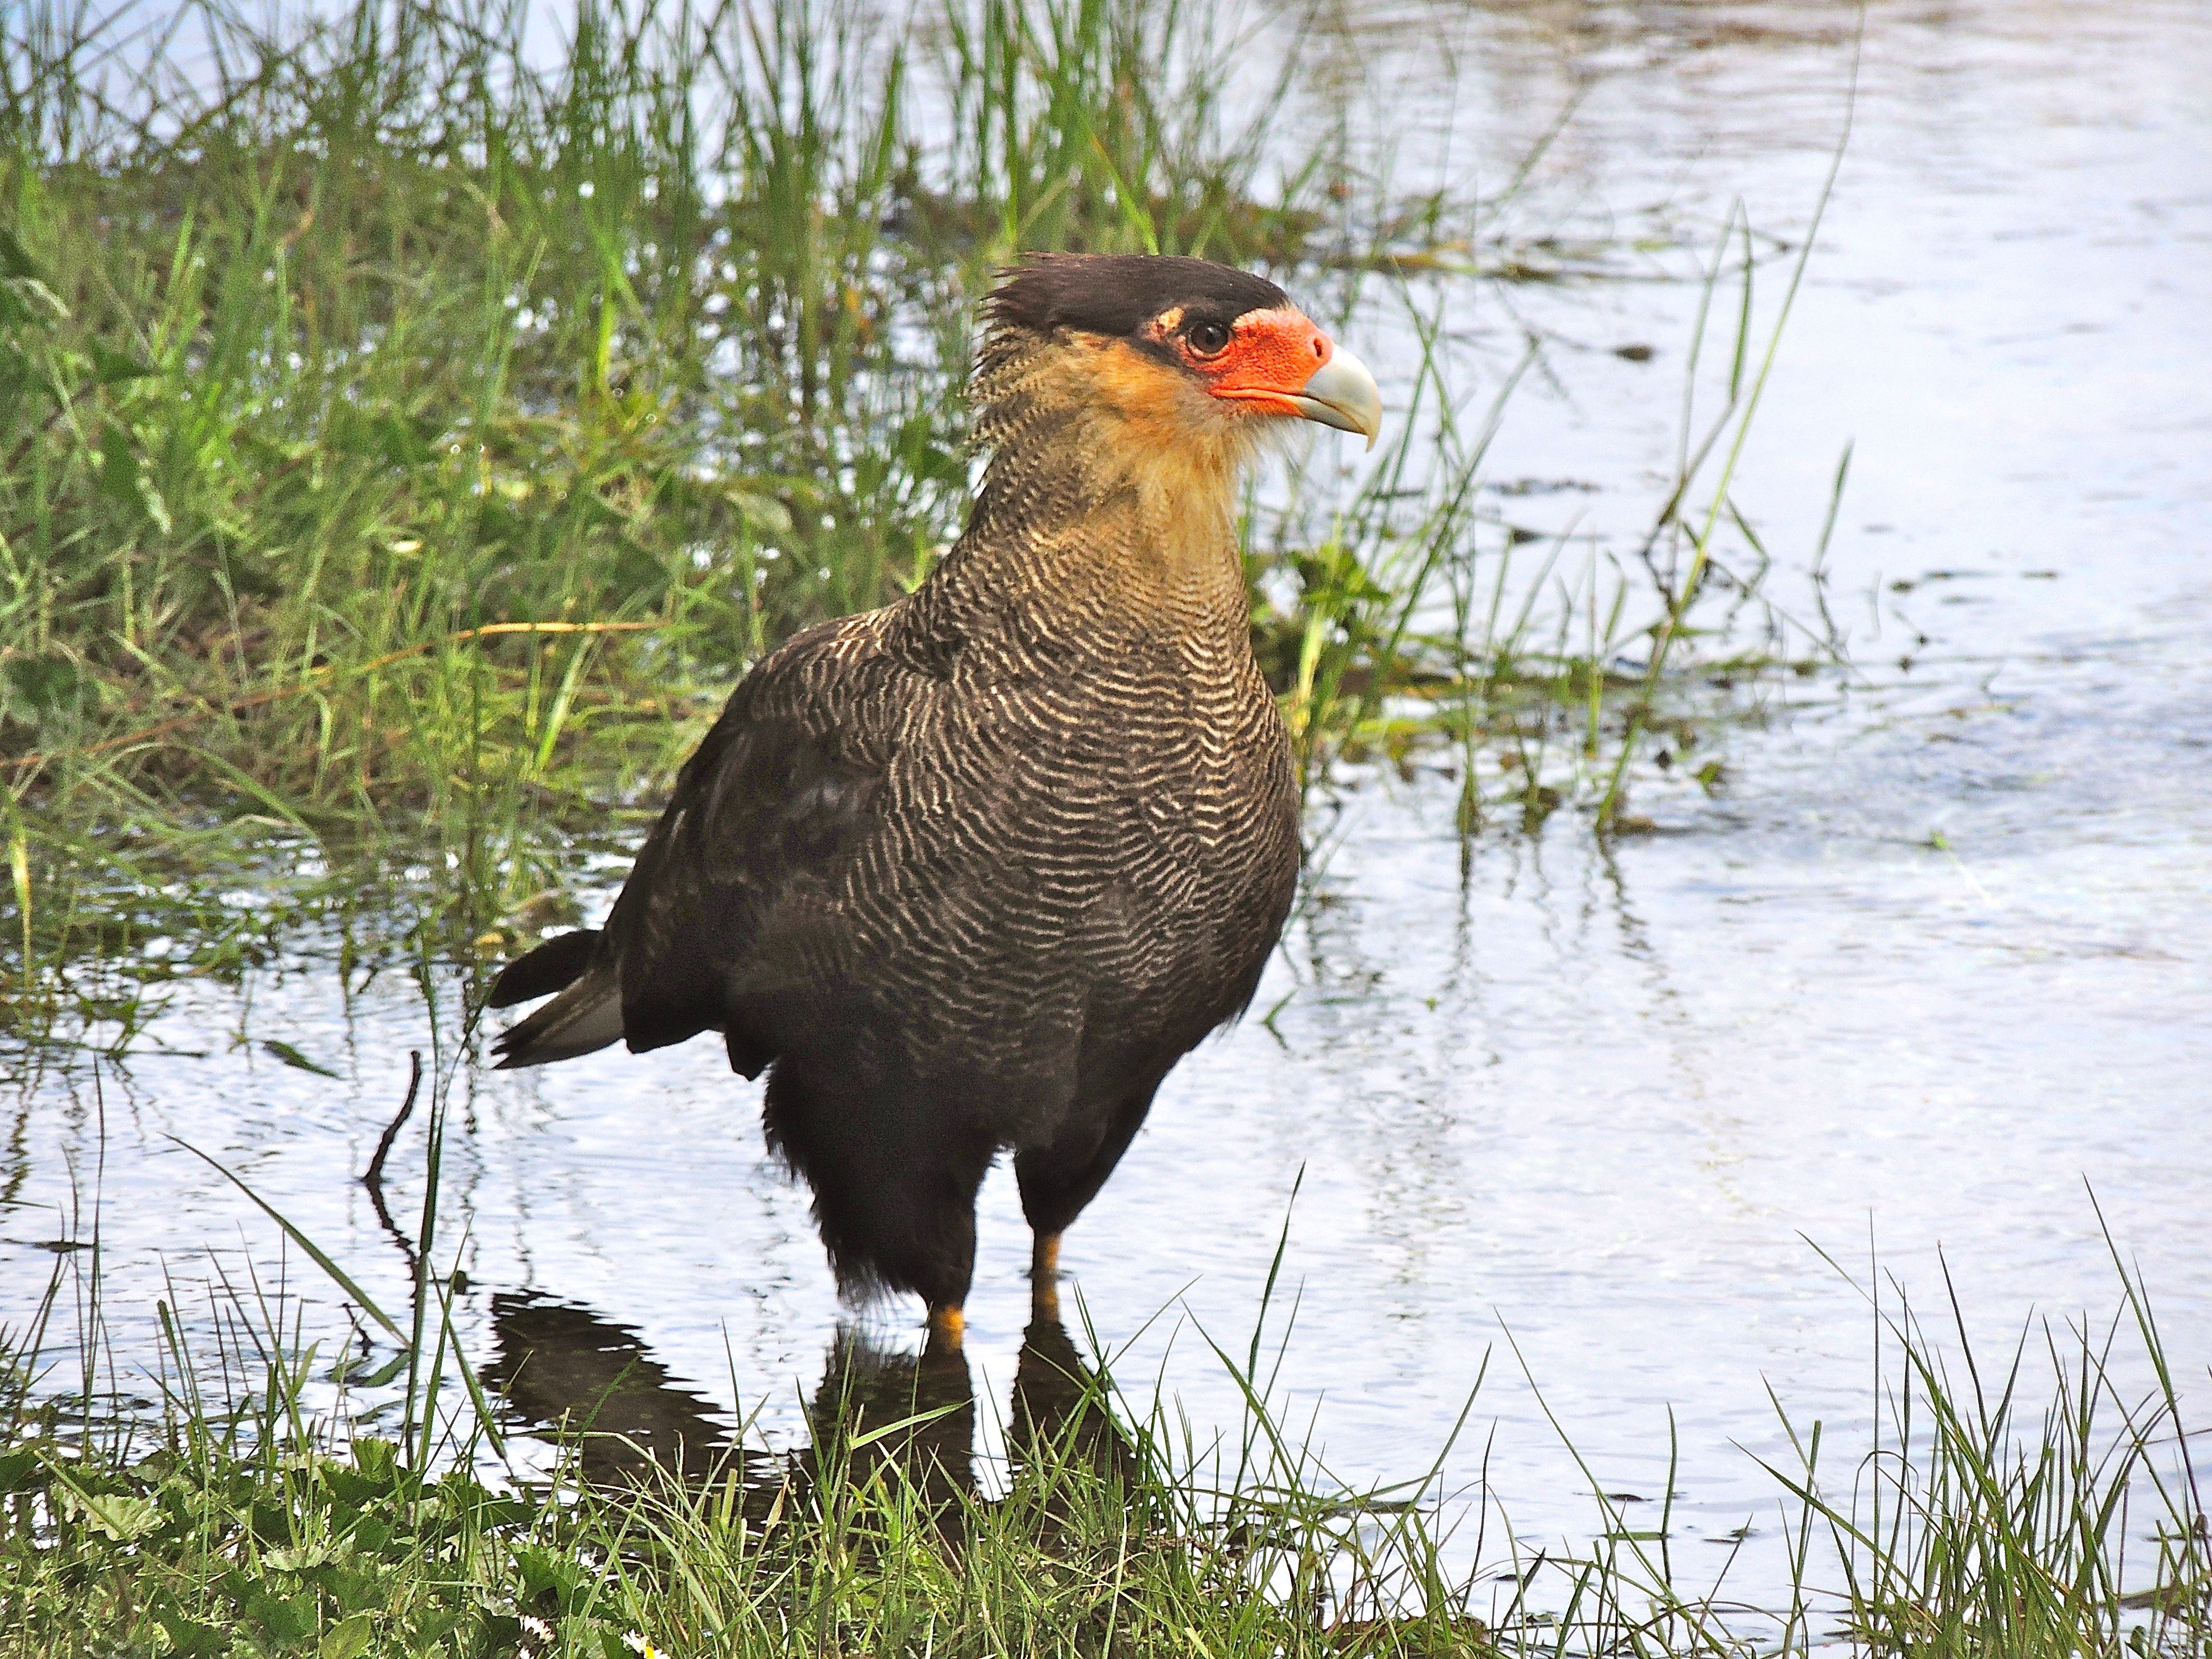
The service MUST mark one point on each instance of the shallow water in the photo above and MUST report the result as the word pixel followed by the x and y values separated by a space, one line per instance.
pixel 1931 960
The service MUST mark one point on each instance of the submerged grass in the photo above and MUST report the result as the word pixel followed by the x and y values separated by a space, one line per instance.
pixel 408 430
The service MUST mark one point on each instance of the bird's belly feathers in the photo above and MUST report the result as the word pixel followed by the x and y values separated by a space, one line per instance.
pixel 1048 917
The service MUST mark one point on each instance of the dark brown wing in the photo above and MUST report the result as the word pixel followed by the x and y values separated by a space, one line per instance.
pixel 781 792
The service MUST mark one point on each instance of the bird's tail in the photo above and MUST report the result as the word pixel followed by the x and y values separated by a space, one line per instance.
pixel 586 1015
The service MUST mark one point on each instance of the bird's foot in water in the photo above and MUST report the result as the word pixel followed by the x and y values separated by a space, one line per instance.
pixel 946 1326
pixel 1044 1277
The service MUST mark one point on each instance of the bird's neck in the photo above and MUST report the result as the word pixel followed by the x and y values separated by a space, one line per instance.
pixel 1103 516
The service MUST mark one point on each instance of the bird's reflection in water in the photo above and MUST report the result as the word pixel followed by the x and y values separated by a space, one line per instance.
pixel 926 1402
pixel 598 1389
pixel 594 1386
pixel 1059 1409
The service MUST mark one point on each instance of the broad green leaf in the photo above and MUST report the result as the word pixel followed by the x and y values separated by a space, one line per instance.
pixel 119 1516
pixel 348 1638
pixel 111 367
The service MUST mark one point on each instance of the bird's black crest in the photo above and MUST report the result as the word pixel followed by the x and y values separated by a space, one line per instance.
pixel 1117 294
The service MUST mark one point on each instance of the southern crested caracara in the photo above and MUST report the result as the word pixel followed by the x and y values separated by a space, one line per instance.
pixel 975 870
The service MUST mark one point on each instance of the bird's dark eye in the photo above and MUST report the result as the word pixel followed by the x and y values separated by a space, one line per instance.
pixel 1207 339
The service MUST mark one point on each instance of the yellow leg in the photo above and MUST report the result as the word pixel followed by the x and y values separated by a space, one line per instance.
pixel 1044 1276
pixel 947 1326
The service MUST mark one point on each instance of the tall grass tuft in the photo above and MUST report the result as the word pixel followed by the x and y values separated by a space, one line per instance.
pixel 2046 1504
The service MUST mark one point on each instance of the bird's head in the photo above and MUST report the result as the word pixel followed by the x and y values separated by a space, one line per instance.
pixel 1180 352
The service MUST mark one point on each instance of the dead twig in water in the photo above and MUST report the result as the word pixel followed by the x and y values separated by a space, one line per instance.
pixel 374 1179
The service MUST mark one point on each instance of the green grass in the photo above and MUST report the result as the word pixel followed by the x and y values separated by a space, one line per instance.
pixel 408 442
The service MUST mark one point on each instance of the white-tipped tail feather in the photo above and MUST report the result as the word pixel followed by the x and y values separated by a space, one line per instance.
pixel 586 1017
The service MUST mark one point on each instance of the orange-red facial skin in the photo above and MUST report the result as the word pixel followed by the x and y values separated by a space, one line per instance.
pixel 1270 357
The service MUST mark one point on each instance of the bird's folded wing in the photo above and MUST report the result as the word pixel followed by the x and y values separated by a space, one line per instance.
pixel 780 794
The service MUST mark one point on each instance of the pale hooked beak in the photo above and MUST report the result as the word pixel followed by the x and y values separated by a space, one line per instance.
pixel 1342 393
